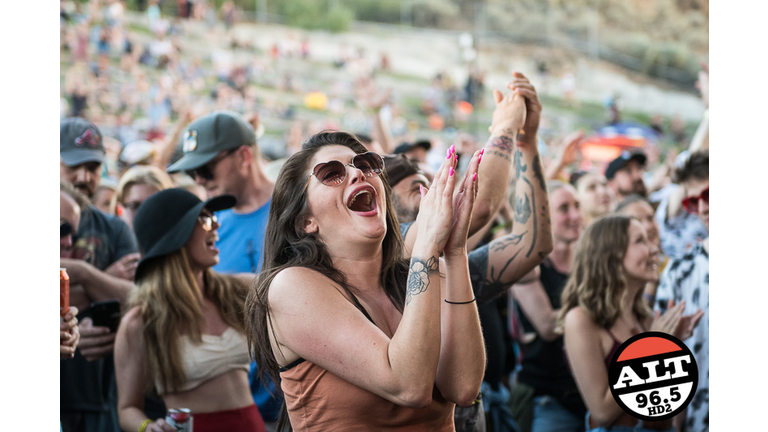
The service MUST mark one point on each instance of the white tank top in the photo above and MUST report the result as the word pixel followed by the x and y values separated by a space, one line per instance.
pixel 216 355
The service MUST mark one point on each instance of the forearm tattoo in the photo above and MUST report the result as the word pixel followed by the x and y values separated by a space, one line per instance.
pixel 494 283
pixel 503 144
pixel 418 276
pixel 519 167
pixel 537 172
pixel 522 208
pixel 511 239
pixel 535 222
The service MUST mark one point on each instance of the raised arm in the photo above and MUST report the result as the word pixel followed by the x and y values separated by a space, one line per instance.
pixel 496 161
pixel 165 151
pixel 336 336
pixel 514 255
pixel 567 154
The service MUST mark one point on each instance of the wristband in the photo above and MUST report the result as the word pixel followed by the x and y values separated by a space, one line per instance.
pixel 144 425
pixel 460 303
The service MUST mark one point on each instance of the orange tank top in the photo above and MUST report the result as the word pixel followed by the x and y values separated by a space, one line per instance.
pixel 318 400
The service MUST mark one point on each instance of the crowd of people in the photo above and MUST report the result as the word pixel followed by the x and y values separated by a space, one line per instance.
pixel 344 281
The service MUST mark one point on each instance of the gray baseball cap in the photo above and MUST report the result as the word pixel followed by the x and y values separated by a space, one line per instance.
pixel 80 141
pixel 209 135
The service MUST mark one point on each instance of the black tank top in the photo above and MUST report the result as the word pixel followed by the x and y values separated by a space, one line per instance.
pixel 544 366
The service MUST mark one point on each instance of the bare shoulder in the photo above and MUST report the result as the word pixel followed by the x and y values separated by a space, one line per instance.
pixel 130 330
pixel 578 320
pixel 295 285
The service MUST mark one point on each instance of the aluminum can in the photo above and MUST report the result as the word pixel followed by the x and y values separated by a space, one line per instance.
pixel 64 292
pixel 180 419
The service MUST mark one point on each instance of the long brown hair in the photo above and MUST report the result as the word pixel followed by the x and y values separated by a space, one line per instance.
pixel 597 283
pixel 171 304
pixel 286 245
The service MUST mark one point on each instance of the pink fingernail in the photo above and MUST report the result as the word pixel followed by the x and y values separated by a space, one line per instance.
pixel 474 177
pixel 453 149
pixel 480 158
pixel 450 171
pixel 482 150
pixel 448 154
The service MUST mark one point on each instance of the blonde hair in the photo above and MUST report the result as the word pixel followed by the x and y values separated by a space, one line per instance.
pixel 171 305
pixel 597 283
pixel 139 175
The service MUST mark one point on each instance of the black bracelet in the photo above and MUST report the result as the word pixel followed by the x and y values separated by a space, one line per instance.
pixel 466 302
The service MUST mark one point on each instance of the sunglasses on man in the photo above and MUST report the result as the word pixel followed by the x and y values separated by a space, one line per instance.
pixel 691 203
pixel 66 229
pixel 333 173
pixel 206 171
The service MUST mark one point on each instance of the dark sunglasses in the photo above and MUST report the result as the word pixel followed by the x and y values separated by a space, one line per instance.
pixel 333 173
pixel 692 203
pixel 66 229
pixel 206 171
pixel 207 220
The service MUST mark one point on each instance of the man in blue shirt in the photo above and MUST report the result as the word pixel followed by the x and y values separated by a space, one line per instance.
pixel 221 154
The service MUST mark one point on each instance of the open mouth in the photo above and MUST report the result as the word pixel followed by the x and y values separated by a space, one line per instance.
pixel 211 244
pixel 362 200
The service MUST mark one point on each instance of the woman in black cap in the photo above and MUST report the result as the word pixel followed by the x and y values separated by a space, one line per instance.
pixel 182 336
pixel 360 339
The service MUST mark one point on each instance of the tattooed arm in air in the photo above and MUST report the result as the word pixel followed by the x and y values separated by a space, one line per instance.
pixel 511 257
pixel 496 162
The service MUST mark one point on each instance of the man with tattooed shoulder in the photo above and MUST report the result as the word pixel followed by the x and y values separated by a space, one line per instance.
pixel 494 266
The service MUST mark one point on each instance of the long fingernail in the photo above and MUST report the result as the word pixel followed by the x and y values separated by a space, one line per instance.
pixel 482 150
pixel 450 171
pixel 474 177
pixel 448 154
pixel 453 149
pixel 480 158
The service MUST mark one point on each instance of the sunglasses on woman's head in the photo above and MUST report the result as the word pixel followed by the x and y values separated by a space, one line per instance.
pixel 333 173
pixel 692 203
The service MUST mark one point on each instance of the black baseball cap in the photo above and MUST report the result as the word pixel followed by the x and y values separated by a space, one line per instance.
pixel 624 158
pixel 399 167
pixel 209 135
pixel 80 141
pixel 406 146
pixel 165 221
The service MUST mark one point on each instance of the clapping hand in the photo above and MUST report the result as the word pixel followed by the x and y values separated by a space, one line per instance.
pixel 523 87
pixel 673 322
pixel 435 216
pixel 463 202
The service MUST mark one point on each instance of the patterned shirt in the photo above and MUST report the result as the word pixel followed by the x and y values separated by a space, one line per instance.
pixel 687 278
pixel 680 233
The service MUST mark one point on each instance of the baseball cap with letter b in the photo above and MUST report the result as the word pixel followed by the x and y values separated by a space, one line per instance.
pixel 80 142
pixel 209 135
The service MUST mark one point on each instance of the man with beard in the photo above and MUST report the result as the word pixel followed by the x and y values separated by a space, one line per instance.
pixel 625 175
pixel 100 265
